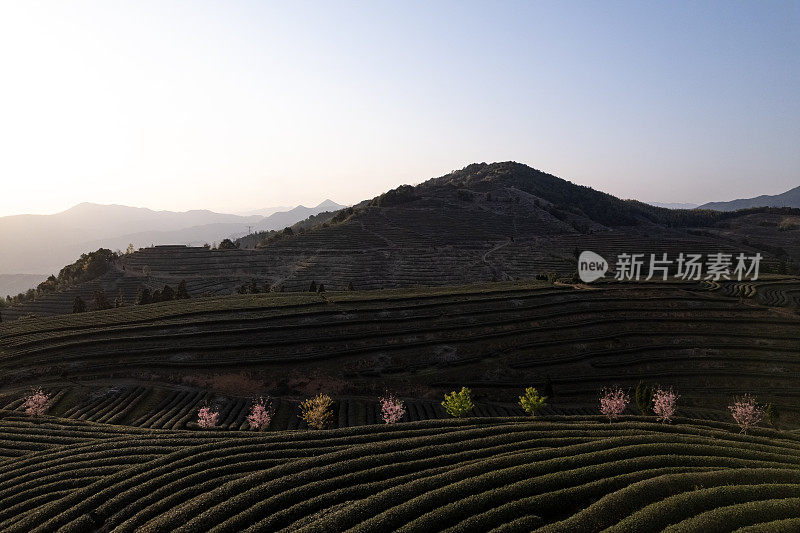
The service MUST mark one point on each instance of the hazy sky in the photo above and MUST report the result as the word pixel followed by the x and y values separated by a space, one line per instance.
pixel 237 105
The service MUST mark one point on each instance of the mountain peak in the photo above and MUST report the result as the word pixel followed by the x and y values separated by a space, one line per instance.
pixel 329 205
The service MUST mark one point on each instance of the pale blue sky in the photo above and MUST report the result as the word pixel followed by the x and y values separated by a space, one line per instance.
pixel 238 105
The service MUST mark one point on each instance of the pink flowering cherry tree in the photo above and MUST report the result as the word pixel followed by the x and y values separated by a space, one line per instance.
pixel 746 412
pixel 260 414
pixel 37 402
pixel 392 409
pixel 613 402
pixel 665 404
pixel 207 417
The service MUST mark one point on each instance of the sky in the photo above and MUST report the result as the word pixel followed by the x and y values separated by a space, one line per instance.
pixel 237 105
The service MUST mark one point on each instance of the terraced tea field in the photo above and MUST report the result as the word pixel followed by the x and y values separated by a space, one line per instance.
pixel 491 474
pixel 152 366
pixel 377 253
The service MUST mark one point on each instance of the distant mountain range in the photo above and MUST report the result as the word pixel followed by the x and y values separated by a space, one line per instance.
pixel 42 244
pixel 673 205
pixel 790 198
pixel 499 221
pixel 283 219
pixel 264 212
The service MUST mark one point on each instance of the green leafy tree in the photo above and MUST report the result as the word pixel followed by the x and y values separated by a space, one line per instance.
pixel 458 404
pixel 531 402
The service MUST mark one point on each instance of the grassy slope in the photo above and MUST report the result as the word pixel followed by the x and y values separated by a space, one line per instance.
pixel 555 473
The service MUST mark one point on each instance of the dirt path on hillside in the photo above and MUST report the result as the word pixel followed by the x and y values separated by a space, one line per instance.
pixel 506 243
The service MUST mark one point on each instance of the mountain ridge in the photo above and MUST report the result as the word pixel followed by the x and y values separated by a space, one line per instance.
pixel 485 222
pixel 790 198
pixel 44 243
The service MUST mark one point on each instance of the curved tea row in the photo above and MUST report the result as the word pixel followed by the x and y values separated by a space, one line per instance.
pixel 504 474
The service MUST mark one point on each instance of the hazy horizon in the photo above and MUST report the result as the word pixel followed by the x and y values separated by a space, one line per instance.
pixel 248 211
pixel 242 212
pixel 238 106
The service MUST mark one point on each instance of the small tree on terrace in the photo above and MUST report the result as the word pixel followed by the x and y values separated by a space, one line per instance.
pixel 392 409
pixel 531 402
pixel 207 417
pixel 228 244
pixel 78 305
pixel 182 293
pixel 130 249
pixel 167 294
pixel 746 412
pixel 101 300
pixel 613 402
pixel 143 297
pixel 317 411
pixel 313 286
pixel 253 287
pixel 643 397
pixel 36 403
pixel 260 414
pixel 458 404
pixel 771 415
pixel 664 404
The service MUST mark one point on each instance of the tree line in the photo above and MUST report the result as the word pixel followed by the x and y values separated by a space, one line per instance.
pixel 88 267
pixel 100 300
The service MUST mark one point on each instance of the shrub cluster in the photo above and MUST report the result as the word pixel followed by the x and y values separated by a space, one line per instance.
pixel 317 411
